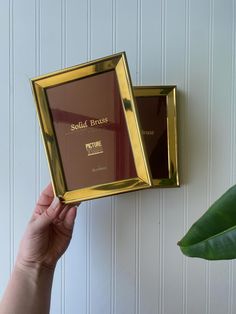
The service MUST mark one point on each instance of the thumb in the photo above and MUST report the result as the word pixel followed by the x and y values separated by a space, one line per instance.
pixel 49 214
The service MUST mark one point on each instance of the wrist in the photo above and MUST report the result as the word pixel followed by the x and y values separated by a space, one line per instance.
pixel 29 289
pixel 34 270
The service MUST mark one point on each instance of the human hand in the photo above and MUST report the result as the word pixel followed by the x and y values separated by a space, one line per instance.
pixel 48 232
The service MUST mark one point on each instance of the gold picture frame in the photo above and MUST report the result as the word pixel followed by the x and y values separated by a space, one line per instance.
pixel 158 117
pixel 59 97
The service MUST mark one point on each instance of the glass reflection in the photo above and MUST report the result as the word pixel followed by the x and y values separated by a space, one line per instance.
pixel 91 131
pixel 153 118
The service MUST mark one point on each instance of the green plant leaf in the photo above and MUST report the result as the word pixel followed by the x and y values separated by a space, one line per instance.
pixel 213 236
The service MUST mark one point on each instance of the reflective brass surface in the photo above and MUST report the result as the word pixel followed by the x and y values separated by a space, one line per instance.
pixel 41 84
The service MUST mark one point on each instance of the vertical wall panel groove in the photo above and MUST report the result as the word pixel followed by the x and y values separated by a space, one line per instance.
pixel 63 33
pixel 232 145
pixel 113 198
pixel 137 196
pixel 89 33
pixel 11 128
pixel 186 159
pixel 186 86
pixel 210 96
pixel 208 287
pixel 40 158
pixel 233 166
pixel 139 43
pixel 113 26
pixel 113 258
pixel 234 92
pixel 161 264
pixel 63 65
pixel 88 255
pixel 37 72
pixel 209 136
pixel 163 40
pixel 161 193
pixel 231 285
pixel 137 254
pixel 233 98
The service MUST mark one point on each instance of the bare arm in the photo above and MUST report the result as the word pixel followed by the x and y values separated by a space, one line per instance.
pixel 46 238
pixel 28 291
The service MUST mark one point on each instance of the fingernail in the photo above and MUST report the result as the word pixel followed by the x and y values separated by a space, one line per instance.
pixel 55 203
pixel 54 207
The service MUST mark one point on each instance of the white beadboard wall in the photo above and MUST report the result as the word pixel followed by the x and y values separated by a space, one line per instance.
pixel 123 258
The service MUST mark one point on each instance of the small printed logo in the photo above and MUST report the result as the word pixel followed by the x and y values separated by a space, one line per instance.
pixel 148 132
pixel 94 148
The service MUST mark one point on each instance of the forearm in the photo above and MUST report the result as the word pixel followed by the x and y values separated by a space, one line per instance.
pixel 28 291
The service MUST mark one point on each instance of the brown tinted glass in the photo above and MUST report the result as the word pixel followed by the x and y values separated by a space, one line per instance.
pixel 91 131
pixel 153 118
